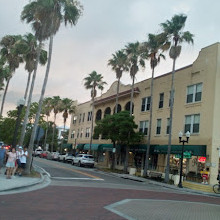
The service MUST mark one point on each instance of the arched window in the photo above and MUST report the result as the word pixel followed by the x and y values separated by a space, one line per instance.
pixel 98 115
pixel 127 107
pixel 119 108
pixel 107 111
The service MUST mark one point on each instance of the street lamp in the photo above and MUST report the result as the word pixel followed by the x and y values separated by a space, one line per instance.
pixel 20 105
pixel 181 162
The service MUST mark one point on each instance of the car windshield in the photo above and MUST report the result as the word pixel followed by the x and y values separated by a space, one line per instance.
pixel 90 157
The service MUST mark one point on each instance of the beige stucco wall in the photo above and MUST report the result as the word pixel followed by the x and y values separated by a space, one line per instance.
pixel 205 69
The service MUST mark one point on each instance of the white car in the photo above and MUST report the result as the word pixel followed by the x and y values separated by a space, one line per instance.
pixel 69 157
pixel 61 157
pixel 38 152
pixel 54 155
pixel 83 160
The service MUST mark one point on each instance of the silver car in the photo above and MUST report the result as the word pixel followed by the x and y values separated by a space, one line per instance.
pixel 83 160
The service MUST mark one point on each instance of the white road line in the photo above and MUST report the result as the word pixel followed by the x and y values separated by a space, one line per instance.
pixel 75 178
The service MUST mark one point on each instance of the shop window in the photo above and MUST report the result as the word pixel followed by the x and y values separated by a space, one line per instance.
pixel 158 130
pixel 145 106
pixel 161 100
pixel 194 93
pixel 192 123
pixel 143 127
pixel 168 126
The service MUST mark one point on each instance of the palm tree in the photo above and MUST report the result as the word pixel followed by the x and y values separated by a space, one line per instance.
pixel 46 17
pixel 29 48
pixel 93 81
pixel 155 45
pixel 135 59
pixel 118 64
pixel 67 108
pixel 12 59
pixel 173 30
pixel 56 106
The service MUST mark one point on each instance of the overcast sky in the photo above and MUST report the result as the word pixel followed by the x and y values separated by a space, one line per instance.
pixel 105 27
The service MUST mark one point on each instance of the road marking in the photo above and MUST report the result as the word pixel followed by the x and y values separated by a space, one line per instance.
pixel 71 169
pixel 75 178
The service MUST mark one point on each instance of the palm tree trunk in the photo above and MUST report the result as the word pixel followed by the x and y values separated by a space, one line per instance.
pixel 90 144
pixel 167 172
pixel 30 98
pixel 116 104
pixel 132 96
pixel 4 96
pixel 27 86
pixel 146 167
pixel 54 128
pixel 31 144
pixel 45 138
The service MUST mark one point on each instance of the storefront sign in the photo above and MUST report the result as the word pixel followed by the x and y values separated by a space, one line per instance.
pixel 202 159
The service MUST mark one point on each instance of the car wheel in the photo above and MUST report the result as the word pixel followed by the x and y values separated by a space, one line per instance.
pixel 72 162
pixel 79 164
pixel 92 166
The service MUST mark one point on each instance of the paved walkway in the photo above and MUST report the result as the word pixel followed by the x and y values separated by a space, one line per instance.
pixel 16 182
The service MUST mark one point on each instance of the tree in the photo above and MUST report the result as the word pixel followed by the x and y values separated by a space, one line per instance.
pixel 120 129
pixel 155 45
pixel 173 30
pixel 12 59
pixel 119 65
pixel 29 49
pixel 135 59
pixel 46 17
pixel 93 81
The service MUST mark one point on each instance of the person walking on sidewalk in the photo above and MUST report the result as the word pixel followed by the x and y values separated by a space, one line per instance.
pixel 10 163
pixel 2 156
pixel 17 168
pixel 23 158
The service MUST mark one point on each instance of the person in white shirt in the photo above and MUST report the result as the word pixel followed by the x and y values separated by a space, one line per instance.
pixel 23 158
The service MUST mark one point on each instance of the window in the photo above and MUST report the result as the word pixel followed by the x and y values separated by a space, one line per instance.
pixel 74 119
pixel 168 125
pixel 81 133
pixel 72 134
pixel 158 131
pixel 80 117
pixel 170 98
pixel 78 133
pixel 192 123
pixel 83 118
pixel 87 132
pixel 145 104
pixel 161 100
pixel 194 93
pixel 143 127
pixel 89 116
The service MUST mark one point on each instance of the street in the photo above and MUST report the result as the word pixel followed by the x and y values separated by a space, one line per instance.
pixel 85 193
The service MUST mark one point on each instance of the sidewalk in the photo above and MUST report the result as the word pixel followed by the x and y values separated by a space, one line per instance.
pixel 16 182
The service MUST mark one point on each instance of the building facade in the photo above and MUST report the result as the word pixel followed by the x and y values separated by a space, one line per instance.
pixel 196 109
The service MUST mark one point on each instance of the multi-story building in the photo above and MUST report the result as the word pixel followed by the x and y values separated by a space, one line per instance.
pixel 196 109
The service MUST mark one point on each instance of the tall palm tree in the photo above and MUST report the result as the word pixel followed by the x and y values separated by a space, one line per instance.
pixel 56 106
pixel 174 31
pixel 93 81
pixel 12 59
pixel 118 64
pixel 46 17
pixel 155 45
pixel 135 59
pixel 29 48
pixel 67 108
pixel 46 109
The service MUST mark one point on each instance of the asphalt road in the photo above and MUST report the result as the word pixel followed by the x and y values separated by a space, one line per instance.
pixel 84 193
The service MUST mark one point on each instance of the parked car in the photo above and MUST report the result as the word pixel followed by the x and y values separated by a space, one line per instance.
pixel 54 155
pixel 38 152
pixel 69 157
pixel 44 154
pixel 83 160
pixel 61 157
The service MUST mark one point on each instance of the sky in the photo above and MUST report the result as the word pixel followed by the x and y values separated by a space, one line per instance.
pixel 105 27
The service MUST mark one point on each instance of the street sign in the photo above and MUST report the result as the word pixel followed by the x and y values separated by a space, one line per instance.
pixel 186 155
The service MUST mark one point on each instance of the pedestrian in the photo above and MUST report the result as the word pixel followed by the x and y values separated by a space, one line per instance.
pixel 17 168
pixel 23 159
pixel 2 156
pixel 10 162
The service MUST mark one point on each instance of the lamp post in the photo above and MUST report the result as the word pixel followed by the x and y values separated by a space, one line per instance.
pixel 20 105
pixel 181 162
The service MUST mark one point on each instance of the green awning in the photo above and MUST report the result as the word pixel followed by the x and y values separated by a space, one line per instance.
pixel 107 147
pixel 94 147
pixel 196 150
pixel 142 147
pixel 80 146
pixel 69 146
